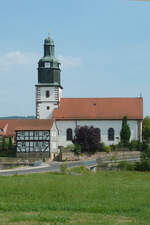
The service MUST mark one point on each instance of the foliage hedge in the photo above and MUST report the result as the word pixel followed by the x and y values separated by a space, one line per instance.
pixel 7 149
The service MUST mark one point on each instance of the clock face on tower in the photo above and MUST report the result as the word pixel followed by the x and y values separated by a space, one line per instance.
pixel 47 64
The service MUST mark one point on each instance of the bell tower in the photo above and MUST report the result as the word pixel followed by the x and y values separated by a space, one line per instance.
pixel 48 89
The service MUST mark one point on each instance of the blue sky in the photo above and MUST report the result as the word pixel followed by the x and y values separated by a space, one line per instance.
pixel 104 47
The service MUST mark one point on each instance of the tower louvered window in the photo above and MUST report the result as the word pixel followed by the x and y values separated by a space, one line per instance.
pixel 47 94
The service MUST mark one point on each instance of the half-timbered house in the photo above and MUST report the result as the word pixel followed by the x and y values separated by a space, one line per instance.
pixel 33 138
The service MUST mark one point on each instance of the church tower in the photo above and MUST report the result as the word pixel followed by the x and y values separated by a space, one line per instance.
pixel 48 89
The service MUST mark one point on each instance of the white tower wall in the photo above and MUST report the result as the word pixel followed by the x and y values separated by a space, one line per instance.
pixel 46 105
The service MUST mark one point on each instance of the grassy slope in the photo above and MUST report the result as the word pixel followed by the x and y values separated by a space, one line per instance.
pixel 101 198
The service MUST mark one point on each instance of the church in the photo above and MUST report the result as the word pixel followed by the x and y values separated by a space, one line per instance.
pixel 57 117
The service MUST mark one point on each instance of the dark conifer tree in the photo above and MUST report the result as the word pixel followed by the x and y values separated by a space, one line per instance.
pixel 125 132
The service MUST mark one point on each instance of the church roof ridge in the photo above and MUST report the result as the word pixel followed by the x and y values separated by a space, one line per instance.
pixel 99 108
pixel 102 98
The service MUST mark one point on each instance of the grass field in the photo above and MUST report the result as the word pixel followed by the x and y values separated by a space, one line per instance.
pixel 103 198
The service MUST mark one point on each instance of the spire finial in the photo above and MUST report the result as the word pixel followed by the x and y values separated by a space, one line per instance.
pixel 48 35
pixel 140 94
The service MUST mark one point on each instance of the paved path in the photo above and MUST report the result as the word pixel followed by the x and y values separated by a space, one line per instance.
pixel 52 167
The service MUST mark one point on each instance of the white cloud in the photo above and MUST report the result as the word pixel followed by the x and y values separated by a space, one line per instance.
pixel 10 60
pixel 69 61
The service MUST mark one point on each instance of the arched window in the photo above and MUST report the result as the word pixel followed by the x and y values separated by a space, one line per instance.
pixel 47 94
pixel 69 134
pixel 111 134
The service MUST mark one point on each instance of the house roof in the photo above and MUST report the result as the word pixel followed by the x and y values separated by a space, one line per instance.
pixel 99 108
pixel 10 126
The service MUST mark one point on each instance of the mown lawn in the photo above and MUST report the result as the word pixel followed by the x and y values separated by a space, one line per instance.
pixel 103 198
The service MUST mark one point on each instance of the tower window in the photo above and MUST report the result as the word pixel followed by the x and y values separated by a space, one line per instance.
pixel 47 65
pixel 47 94
pixel 69 134
pixel 111 134
pixel 48 107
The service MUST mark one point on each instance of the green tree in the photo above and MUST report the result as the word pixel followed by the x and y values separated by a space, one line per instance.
pixel 146 129
pixel 125 132
pixel 10 144
pixel 3 143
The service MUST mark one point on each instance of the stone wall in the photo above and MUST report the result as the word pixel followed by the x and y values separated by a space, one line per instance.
pixel 38 155
pixel 116 155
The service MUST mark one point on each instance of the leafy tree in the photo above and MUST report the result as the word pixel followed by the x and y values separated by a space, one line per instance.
pixel 144 164
pixel 3 143
pixel 145 152
pixel 146 129
pixel 125 132
pixel 10 144
pixel 88 138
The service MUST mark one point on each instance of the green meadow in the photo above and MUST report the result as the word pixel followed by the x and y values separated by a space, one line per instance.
pixel 107 198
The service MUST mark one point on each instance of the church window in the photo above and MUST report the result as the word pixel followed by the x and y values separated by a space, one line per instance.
pixel 47 94
pixel 111 134
pixel 69 134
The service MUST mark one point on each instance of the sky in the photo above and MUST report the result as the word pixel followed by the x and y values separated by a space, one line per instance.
pixel 103 47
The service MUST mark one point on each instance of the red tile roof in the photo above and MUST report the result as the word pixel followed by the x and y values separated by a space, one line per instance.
pixel 99 108
pixel 10 126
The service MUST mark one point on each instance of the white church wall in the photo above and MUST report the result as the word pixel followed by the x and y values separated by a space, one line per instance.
pixel 103 125
pixel 62 128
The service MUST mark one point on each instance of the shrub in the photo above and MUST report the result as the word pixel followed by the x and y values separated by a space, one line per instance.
pixel 134 145
pixel 102 147
pixel 63 168
pixel 145 152
pixel 143 165
pixel 8 152
pixel 77 149
pixel 68 148
pixel 82 170
pixel 124 165
pixel 107 149
pixel 113 147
